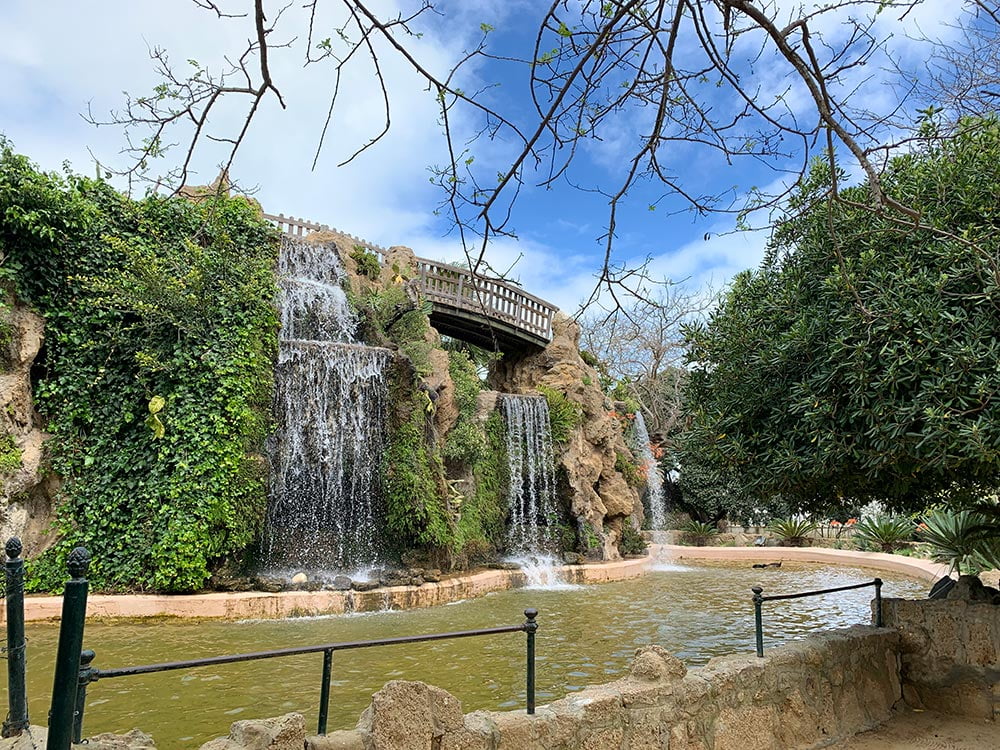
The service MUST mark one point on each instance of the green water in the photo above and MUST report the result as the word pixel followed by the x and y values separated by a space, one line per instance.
pixel 587 636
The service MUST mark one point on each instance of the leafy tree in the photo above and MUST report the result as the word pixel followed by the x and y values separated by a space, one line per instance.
pixel 861 360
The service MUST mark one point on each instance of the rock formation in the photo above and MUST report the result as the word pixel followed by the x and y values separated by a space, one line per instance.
pixel 25 494
pixel 598 492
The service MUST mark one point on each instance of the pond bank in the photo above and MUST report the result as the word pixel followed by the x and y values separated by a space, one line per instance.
pixel 248 605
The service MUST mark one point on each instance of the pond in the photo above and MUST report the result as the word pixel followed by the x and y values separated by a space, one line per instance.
pixel 587 635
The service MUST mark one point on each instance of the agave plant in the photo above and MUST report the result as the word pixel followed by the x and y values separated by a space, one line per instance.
pixel 888 533
pixel 793 532
pixel 957 536
pixel 698 533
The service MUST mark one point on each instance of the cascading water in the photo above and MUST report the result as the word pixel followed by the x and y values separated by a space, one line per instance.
pixel 532 491
pixel 330 407
pixel 654 478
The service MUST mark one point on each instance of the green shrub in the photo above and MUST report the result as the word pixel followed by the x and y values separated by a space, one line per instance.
pixel 628 469
pixel 589 358
pixel 954 537
pixel 793 532
pixel 367 262
pixel 698 533
pixel 564 415
pixel 885 533
pixel 631 542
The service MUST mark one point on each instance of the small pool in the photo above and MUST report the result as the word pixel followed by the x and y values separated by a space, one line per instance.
pixel 587 635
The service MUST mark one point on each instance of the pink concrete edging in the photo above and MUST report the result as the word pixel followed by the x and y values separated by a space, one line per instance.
pixel 924 570
pixel 258 605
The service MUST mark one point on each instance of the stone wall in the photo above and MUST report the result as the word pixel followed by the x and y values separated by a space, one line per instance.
pixel 802 695
pixel 949 651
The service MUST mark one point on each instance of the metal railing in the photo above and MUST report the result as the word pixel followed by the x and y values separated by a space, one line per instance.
pixel 17 697
pixel 759 599
pixel 74 670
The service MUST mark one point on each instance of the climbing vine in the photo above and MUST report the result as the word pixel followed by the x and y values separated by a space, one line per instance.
pixel 156 374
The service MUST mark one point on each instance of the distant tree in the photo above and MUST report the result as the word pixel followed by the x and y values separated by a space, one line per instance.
pixel 862 359
pixel 640 349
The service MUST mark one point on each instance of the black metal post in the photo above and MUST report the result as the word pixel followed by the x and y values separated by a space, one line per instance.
pixel 758 600
pixel 531 627
pixel 878 603
pixel 17 697
pixel 68 652
pixel 86 675
pixel 324 691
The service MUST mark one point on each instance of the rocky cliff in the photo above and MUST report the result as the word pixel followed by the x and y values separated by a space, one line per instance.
pixel 26 491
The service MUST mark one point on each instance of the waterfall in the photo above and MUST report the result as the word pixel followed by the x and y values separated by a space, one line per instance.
pixel 654 479
pixel 330 409
pixel 531 494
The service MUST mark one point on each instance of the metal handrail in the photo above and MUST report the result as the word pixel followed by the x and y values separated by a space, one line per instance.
pixel 759 599
pixel 90 674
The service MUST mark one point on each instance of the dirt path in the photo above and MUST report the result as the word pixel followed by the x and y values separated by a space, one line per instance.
pixel 926 730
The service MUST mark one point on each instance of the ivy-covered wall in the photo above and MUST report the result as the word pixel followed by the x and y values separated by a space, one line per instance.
pixel 156 374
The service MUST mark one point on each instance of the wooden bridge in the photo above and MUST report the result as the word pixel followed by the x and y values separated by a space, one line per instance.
pixel 483 311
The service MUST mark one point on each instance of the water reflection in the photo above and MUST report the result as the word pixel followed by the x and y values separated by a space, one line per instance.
pixel 587 635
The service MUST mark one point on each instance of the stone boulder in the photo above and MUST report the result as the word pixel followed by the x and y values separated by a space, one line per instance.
pixel 134 740
pixel 971 589
pixel 656 664
pixel 286 732
pixel 416 716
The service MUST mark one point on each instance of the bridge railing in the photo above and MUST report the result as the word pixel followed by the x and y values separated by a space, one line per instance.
pixel 460 289
pixel 455 287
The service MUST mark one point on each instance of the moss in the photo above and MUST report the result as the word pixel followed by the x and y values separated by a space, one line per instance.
pixel 564 415
pixel 10 456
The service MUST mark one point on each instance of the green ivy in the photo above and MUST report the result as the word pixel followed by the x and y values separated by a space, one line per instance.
pixel 466 441
pixel 156 374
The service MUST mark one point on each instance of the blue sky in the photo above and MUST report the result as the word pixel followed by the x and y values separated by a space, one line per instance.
pixel 62 55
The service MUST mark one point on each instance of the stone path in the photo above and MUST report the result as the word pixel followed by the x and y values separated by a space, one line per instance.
pixel 926 730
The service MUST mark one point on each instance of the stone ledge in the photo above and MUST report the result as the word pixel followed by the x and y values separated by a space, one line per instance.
pixel 258 605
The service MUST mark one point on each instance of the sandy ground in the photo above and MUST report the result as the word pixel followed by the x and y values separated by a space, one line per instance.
pixel 926 730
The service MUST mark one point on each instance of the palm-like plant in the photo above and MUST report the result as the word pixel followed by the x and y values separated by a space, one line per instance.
pixel 955 536
pixel 793 531
pixel 885 532
pixel 698 533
